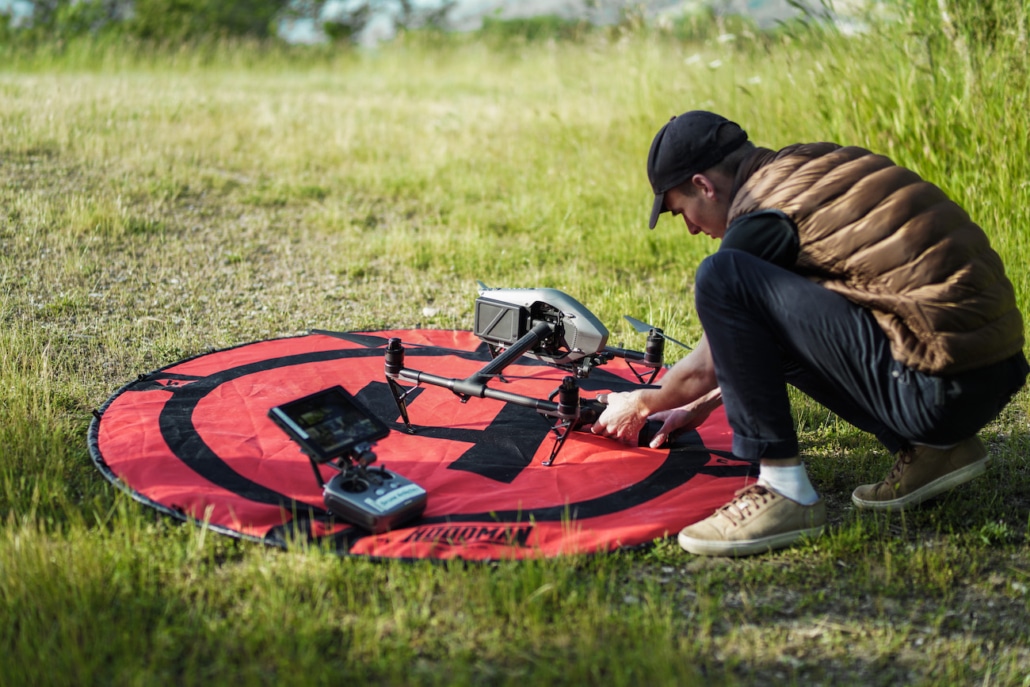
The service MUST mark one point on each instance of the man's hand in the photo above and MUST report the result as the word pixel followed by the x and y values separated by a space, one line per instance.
pixel 623 419
pixel 687 394
pixel 688 417
pixel 627 414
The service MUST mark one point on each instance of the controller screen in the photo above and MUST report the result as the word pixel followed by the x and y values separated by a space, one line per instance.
pixel 333 423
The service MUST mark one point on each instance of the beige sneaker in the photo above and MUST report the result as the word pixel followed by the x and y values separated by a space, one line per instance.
pixel 922 472
pixel 755 521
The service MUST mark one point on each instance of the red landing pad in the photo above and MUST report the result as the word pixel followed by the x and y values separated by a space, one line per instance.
pixel 194 440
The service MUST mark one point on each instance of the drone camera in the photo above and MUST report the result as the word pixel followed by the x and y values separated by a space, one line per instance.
pixel 499 323
pixel 576 336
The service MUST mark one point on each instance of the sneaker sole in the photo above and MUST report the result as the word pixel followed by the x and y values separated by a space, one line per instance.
pixel 747 547
pixel 927 491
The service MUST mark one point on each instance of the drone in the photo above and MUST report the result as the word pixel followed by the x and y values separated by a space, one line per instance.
pixel 546 325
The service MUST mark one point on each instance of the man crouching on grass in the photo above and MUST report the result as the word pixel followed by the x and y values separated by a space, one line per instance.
pixel 848 277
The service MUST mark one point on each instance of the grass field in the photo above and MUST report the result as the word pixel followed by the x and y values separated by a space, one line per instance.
pixel 155 206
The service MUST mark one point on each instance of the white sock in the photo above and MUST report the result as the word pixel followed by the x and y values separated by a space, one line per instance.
pixel 790 481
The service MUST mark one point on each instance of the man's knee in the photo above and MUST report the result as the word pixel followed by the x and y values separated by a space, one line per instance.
pixel 716 276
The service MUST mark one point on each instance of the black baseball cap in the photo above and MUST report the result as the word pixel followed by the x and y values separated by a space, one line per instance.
pixel 685 146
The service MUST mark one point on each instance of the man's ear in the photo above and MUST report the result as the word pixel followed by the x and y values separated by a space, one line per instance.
pixel 704 185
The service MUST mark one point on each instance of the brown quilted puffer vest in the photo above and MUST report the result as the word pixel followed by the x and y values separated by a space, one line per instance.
pixel 886 239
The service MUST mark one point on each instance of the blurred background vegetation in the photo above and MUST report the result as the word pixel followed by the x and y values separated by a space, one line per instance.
pixel 174 21
pixel 974 30
pixel 973 22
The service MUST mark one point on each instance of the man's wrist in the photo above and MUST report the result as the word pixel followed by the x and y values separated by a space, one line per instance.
pixel 645 402
pixel 707 403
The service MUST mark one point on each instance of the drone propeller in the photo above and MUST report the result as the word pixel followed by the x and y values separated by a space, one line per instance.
pixel 644 327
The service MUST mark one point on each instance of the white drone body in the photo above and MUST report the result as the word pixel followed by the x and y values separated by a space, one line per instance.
pixel 503 316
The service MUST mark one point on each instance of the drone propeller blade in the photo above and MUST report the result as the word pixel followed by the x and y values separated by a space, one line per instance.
pixel 678 343
pixel 643 327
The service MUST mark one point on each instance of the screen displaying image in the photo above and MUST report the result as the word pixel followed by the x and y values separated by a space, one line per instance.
pixel 333 421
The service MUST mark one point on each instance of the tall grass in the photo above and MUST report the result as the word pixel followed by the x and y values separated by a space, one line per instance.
pixel 156 204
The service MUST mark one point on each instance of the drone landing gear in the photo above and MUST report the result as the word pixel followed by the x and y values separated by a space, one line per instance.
pixel 570 414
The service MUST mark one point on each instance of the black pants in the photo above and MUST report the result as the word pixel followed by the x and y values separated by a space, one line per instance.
pixel 768 327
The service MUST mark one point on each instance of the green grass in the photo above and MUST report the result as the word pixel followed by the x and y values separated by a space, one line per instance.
pixel 153 206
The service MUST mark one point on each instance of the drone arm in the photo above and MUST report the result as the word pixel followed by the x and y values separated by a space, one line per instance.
pixel 540 331
pixel 653 355
pixel 569 410
pixel 472 387
pixel 616 352
pixel 476 384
